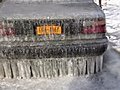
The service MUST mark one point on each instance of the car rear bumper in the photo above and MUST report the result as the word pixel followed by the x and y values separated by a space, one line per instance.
pixel 53 49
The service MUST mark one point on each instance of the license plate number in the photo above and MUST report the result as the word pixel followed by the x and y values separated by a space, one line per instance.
pixel 48 29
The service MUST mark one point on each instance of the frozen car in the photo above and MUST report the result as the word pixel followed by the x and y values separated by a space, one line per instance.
pixel 47 38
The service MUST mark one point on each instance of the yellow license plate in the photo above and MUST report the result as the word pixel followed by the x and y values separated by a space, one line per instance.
pixel 48 29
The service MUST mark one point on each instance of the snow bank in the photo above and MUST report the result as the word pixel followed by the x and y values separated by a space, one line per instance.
pixel 112 11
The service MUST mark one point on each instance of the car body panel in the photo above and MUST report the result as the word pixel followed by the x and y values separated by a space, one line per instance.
pixel 44 10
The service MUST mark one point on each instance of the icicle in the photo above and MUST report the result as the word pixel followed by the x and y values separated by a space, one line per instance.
pixel 21 69
pixel 101 63
pixel 60 67
pixel 84 67
pixel 92 66
pixel 63 67
pixel 34 68
pixel 50 67
pixel 97 64
pixel 75 72
pixel 7 69
pixel 2 72
pixel 56 67
pixel 41 68
pixel 27 69
pixel 55 74
pixel 70 64
pixel 47 68
pixel 80 66
pixel 88 66
pixel 44 68
pixel 14 69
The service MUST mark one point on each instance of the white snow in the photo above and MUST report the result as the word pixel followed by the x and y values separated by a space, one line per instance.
pixel 112 11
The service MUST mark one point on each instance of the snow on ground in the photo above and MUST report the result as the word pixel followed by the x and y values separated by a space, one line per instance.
pixel 112 11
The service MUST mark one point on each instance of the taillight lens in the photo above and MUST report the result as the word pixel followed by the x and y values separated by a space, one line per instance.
pixel 94 27
pixel 6 30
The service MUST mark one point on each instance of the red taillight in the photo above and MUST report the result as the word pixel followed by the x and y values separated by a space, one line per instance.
pixel 6 30
pixel 95 27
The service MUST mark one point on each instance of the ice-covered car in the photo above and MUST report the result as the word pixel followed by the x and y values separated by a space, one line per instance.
pixel 48 38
